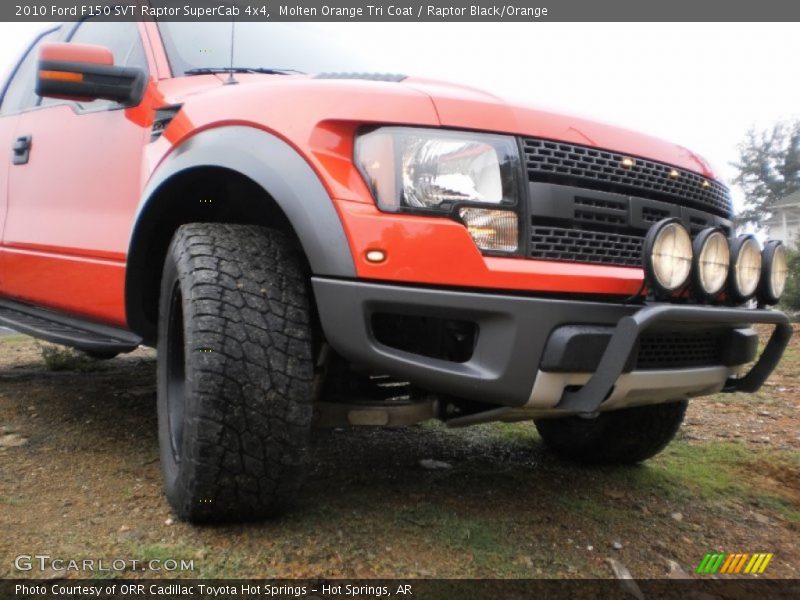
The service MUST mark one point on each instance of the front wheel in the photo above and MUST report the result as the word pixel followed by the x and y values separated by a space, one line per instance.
pixel 235 372
pixel 625 436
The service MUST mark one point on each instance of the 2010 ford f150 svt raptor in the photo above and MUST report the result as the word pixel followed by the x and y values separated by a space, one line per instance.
pixel 308 244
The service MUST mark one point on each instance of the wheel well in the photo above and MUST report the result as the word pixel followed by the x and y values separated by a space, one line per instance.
pixel 201 194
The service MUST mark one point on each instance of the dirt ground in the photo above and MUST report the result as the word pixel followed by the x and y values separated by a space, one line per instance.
pixel 79 478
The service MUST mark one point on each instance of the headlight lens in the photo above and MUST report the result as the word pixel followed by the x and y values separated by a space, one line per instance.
pixel 746 273
pixel 668 255
pixel 432 169
pixel 775 266
pixel 712 260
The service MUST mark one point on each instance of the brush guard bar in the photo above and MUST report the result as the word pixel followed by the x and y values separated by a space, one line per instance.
pixel 589 397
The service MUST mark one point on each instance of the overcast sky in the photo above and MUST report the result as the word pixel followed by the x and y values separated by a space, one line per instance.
pixel 700 85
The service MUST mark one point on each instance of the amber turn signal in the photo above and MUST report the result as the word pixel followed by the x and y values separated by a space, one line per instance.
pixel 376 256
pixel 60 76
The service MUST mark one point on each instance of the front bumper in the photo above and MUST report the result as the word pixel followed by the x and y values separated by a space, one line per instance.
pixel 513 334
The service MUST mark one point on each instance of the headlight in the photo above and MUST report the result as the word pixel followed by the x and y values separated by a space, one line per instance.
pixel 667 256
pixel 712 256
pixel 775 268
pixel 746 268
pixel 436 169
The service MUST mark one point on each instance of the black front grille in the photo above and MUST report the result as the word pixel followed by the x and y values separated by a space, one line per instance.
pixel 573 224
pixel 575 245
pixel 680 350
pixel 590 168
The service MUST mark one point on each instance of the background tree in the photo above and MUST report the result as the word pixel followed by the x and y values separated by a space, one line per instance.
pixel 769 169
pixel 791 297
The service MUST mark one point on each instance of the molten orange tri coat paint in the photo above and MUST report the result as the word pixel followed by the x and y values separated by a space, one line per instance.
pixel 70 210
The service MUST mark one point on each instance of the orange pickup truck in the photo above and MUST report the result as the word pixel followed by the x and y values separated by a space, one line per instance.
pixel 307 243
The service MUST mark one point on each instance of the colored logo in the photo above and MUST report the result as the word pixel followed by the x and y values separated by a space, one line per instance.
pixel 733 564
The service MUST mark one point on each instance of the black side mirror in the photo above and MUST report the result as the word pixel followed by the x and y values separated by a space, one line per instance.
pixel 86 72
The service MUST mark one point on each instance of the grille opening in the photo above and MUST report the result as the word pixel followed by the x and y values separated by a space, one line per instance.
pixel 608 213
pixel 697 224
pixel 592 217
pixel 598 203
pixel 446 339
pixel 653 215
pixel 575 245
pixel 680 349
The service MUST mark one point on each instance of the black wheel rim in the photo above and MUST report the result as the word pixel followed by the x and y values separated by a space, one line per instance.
pixel 176 373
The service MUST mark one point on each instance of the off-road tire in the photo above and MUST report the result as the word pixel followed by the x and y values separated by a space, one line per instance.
pixel 625 436
pixel 235 372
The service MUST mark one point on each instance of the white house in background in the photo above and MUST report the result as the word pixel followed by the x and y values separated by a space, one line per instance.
pixel 784 224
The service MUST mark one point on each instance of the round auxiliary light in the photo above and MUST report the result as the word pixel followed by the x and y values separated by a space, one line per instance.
pixel 712 258
pixel 775 267
pixel 745 268
pixel 667 256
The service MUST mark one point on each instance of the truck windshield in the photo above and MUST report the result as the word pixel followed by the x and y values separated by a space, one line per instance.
pixel 280 46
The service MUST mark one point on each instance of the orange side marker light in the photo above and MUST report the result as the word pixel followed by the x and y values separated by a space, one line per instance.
pixel 60 76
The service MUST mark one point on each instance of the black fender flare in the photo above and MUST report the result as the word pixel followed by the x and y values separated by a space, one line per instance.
pixel 280 171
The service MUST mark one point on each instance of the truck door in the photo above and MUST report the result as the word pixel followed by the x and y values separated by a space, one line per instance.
pixel 72 201
pixel 16 96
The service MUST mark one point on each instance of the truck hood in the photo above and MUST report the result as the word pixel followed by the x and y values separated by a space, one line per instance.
pixel 425 102
pixel 465 107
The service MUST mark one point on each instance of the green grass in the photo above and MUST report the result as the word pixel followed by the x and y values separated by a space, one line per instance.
pixel 517 434
pixel 511 435
pixel 777 504
pixel 162 552
pixel 761 400
pixel 231 563
pixel 492 544
pixel 15 340
pixel 595 507
pixel 707 470
pixel 61 358
pixel 791 356
pixel 146 552
pixel 709 474
pixel 712 472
